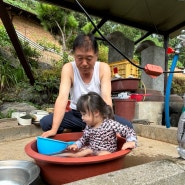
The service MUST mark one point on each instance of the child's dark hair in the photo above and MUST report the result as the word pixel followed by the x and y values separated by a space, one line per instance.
pixel 92 102
pixel 86 41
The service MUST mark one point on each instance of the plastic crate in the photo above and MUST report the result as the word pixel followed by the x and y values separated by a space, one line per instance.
pixel 125 69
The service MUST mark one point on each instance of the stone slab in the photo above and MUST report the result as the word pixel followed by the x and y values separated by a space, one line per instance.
pixel 157 132
pixel 19 132
pixel 162 172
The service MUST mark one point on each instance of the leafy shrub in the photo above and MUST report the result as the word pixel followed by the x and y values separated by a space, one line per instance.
pixel 11 72
pixel 103 53
pixel 178 85
pixel 49 45
pixel 47 84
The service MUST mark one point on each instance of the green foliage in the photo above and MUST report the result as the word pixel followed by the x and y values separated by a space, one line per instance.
pixel 28 5
pixel 173 43
pixel 72 22
pixel 4 39
pixel 178 85
pixel 103 53
pixel 88 27
pixel 31 54
pixel 48 45
pixel 10 70
pixel 179 64
pixel 52 17
pixel 47 84
pixel 8 115
pixel 65 58
pixel 59 22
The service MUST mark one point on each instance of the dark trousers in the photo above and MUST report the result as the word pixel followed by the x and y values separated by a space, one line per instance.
pixel 72 120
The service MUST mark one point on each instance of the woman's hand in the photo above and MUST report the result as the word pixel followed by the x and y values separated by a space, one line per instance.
pixel 129 144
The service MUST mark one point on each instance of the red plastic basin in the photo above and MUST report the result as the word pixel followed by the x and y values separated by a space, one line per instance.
pixel 59 170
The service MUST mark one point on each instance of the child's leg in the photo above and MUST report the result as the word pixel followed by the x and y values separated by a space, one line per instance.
pixel 102 153
pixel 81 153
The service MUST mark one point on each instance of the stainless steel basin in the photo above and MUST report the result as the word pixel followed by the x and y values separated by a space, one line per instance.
pixel 18 172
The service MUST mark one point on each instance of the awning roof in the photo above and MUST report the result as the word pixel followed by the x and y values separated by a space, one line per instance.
pixel 165 17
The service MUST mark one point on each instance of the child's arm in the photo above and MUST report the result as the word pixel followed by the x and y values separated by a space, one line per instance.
pixel 126 132
pixel 129 144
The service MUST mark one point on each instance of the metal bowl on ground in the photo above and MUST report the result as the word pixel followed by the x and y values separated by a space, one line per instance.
pixel 18 172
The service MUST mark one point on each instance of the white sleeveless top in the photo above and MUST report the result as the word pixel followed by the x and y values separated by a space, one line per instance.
pixel 79 87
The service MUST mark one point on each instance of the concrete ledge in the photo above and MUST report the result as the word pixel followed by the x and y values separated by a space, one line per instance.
pixel 162 172
pixel 10 130
pixel 157 132
pixel 19 132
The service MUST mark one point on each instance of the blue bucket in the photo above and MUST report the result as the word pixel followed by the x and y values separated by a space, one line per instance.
pixel 49 146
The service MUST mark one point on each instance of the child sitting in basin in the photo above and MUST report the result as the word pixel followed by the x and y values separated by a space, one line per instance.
pixel 99 136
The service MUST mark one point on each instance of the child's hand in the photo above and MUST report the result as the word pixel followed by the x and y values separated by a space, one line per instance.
pixel 129 144
pixel 73 147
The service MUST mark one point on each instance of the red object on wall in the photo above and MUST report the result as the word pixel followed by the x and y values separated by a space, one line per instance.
pixel 153 70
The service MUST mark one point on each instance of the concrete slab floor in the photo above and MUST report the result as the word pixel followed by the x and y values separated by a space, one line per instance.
pixel 13 141
pixel 148 150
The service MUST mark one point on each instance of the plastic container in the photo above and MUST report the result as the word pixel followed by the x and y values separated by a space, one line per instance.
pixel 126 84
pixel 125 108
pixel 17 115
pixel 49 146
pixel 125 69
pixel 138 97
pixel 38 114
pixel 25 120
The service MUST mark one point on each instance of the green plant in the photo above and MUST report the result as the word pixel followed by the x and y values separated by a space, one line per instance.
pixel 31 54
pixel 47 84
pixel 103 53
pixel 178 85
pixel 7 115
pixel 49 45
pixel 24 4
pixel 11 72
